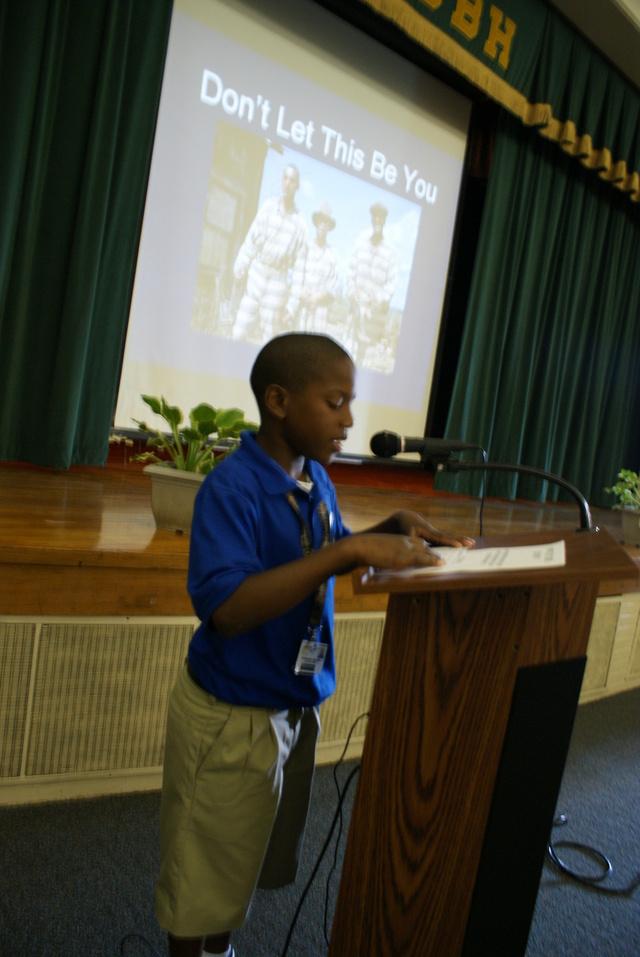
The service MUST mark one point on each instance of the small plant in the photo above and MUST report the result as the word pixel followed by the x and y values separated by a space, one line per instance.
pixel 627 488
pixel 190 448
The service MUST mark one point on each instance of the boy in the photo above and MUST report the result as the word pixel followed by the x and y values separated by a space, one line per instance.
pixel 266 542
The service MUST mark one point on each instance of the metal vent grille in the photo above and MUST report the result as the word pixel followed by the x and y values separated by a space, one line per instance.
pixel 16 655
pixel 358 639
pixel 100 695
pixel 634 658
pixel 603 630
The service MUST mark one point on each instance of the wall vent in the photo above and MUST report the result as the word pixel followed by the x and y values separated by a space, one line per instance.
pixel 358 638
pixel 603 630
pixel 100 695
pixel 83 703
pixel 633 672
pixel 86 700
pixel 16 656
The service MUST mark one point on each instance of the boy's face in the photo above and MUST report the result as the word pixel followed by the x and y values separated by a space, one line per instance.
pixel 319 417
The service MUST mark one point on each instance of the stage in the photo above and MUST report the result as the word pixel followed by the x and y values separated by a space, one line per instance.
pixel 95 618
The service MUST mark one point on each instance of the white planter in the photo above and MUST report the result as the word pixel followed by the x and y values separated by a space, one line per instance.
pixel 173 493
pixel 631 526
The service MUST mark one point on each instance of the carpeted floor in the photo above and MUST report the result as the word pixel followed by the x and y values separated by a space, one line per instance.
pixel 77 878
pixel 600 796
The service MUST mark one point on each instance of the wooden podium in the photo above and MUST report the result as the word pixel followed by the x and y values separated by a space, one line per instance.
pixel 473 707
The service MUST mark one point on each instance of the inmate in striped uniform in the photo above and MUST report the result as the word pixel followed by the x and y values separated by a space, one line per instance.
pixel 273 244
pixel 371 283
pixel 315 278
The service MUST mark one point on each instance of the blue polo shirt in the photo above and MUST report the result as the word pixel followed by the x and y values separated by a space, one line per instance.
pixel 242 525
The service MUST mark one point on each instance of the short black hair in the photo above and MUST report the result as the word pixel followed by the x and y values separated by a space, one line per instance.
pixel 293 360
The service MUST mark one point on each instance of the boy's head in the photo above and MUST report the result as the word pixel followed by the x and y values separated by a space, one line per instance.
pixel 293 361
pixel 304 386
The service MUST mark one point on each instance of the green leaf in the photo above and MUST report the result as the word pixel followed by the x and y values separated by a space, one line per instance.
pixel 230 419
pixel 192 435
pixel 171 413
pixel 153 403
pixel 202 412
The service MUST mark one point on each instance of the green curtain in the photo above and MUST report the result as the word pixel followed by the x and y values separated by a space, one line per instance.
pixel 549 368
pixel 79 91
pixel 540 68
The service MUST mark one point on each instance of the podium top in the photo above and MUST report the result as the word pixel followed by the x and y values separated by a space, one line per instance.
pixel 590 556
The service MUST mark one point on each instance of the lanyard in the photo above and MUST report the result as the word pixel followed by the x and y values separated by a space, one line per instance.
pixel 306 542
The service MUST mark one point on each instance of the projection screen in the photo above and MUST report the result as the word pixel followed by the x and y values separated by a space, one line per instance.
pixel 251 92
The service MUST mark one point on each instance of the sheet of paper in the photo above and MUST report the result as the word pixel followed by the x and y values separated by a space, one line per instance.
pixel 479 560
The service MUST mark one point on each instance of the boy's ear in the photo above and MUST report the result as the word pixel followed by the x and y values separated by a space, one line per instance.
pixel 276 401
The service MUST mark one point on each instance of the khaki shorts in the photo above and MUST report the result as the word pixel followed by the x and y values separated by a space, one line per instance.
pixel 235 796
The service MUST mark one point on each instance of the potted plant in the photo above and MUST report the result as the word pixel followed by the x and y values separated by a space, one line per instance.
pixel 627 489
pixel 179 459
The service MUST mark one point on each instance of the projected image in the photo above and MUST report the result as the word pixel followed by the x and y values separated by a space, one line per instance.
pixel 303 178
pixel 317 250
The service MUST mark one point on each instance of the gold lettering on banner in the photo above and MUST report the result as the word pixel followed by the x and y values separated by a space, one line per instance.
pixel 466 17
pixel 499 37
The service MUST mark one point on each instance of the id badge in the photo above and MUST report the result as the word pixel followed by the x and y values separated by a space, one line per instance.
pixel 310 660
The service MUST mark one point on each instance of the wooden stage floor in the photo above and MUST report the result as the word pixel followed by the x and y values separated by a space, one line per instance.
pixel 83 542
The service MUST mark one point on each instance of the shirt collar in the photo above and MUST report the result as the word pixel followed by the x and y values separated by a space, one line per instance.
pixel 273 477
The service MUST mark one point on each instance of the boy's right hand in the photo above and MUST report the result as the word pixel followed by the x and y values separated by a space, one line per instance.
pixel 394 551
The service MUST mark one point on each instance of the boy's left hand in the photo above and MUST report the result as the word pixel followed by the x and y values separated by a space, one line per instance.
pixel 410 523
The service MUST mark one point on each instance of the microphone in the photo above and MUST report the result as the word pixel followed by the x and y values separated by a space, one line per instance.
pixel 454 465
pixel 387 444
pixel 437 454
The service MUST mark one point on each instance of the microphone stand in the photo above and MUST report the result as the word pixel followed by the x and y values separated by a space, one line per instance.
pixel 455 465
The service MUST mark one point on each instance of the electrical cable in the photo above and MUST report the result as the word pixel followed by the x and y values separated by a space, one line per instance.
pixel 341 797
pixel 129 937
pixel 316 866
pixel 483 490
pixel 589 880
pixel 336 817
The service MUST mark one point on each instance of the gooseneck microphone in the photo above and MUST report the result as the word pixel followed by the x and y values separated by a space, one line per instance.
pixel 585 515
pixel 437 454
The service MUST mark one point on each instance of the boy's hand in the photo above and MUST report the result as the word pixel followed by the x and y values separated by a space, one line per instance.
pixel 418 526
pixel 402 541
pixel 395 551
